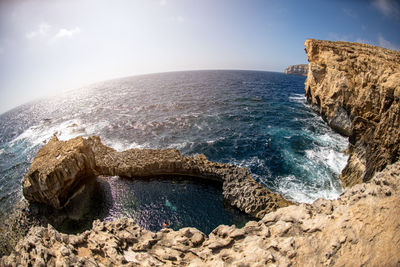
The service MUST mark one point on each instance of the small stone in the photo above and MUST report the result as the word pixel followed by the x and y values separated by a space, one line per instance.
pixel 64 251
pixel 197 239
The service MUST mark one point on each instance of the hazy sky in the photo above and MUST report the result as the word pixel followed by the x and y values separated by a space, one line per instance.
pixel 50 46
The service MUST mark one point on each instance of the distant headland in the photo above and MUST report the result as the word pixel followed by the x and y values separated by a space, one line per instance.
pixel 299 70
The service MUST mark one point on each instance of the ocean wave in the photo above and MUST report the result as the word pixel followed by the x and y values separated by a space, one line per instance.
pixel 41 133
pixel 291 188
pixel 297 98
pixel 120 145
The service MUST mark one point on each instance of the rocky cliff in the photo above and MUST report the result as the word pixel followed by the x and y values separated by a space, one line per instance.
pixel 361 228
pixel 300 70
pixel 356 89
pixel 61 169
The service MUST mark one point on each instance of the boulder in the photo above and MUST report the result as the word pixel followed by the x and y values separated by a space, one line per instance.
pixel 60 170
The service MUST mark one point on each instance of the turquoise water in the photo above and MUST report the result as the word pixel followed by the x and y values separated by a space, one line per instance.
pixel 258 120
pixel 173 202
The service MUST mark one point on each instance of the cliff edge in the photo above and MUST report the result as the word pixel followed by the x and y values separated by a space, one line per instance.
pixel 356 89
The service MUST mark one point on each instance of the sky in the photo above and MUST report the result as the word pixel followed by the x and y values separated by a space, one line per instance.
pixel 50 46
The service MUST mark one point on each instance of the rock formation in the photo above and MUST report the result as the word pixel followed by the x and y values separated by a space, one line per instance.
pixel 61 167
pixel 361 228
pixel 60 170
pixel 299 70
pixel 356 89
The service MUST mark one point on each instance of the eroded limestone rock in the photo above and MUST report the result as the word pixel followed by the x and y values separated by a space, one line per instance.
pixel 361 228
pixel 59 171
pixel 356 89
pixel 60 167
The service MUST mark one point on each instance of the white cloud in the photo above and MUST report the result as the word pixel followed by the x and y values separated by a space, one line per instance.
pixel 42 31
pixel 67 32
pixel 387 7
pixel 387 44
pixel 163 2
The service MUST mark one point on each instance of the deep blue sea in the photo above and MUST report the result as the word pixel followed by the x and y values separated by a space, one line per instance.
pixel 259 120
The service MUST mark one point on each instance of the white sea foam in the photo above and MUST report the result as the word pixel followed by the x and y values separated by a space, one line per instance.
pixel 181 145
pixel 212 141
pixel 122 146
pixel 291 188
pixel 323 163
pixel 42 132
pixel 64 130
pixel 334 160
pixel 297 98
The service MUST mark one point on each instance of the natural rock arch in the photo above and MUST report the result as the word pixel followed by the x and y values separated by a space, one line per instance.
pixel 62 168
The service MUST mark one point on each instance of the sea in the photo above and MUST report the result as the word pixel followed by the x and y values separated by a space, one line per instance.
pixel 254 119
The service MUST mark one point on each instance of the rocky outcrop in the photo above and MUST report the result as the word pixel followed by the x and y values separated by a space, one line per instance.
pixel 356 89
pixel 299 70
pixel 60 167
pixel 59 172
pixel 361 228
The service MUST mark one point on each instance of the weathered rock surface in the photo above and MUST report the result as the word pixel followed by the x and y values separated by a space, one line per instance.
pixel 61 166
pixel 299 70
pixel 356 89
pixel 361 228
pixel 60 171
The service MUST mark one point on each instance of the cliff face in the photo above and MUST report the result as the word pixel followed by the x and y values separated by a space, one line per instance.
pixel 60 170
pixel 300 70
pixel 356 89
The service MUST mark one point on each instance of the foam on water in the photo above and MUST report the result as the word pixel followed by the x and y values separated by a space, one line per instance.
pixel 42 133
pixel 297 98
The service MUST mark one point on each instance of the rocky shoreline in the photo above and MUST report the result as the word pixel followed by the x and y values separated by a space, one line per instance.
pixel 355 88
pixel 359 228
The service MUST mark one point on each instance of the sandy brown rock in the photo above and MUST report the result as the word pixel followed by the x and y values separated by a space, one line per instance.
pixel 59 171
pixel 62 168
pixel 361 228
pixel 356 89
